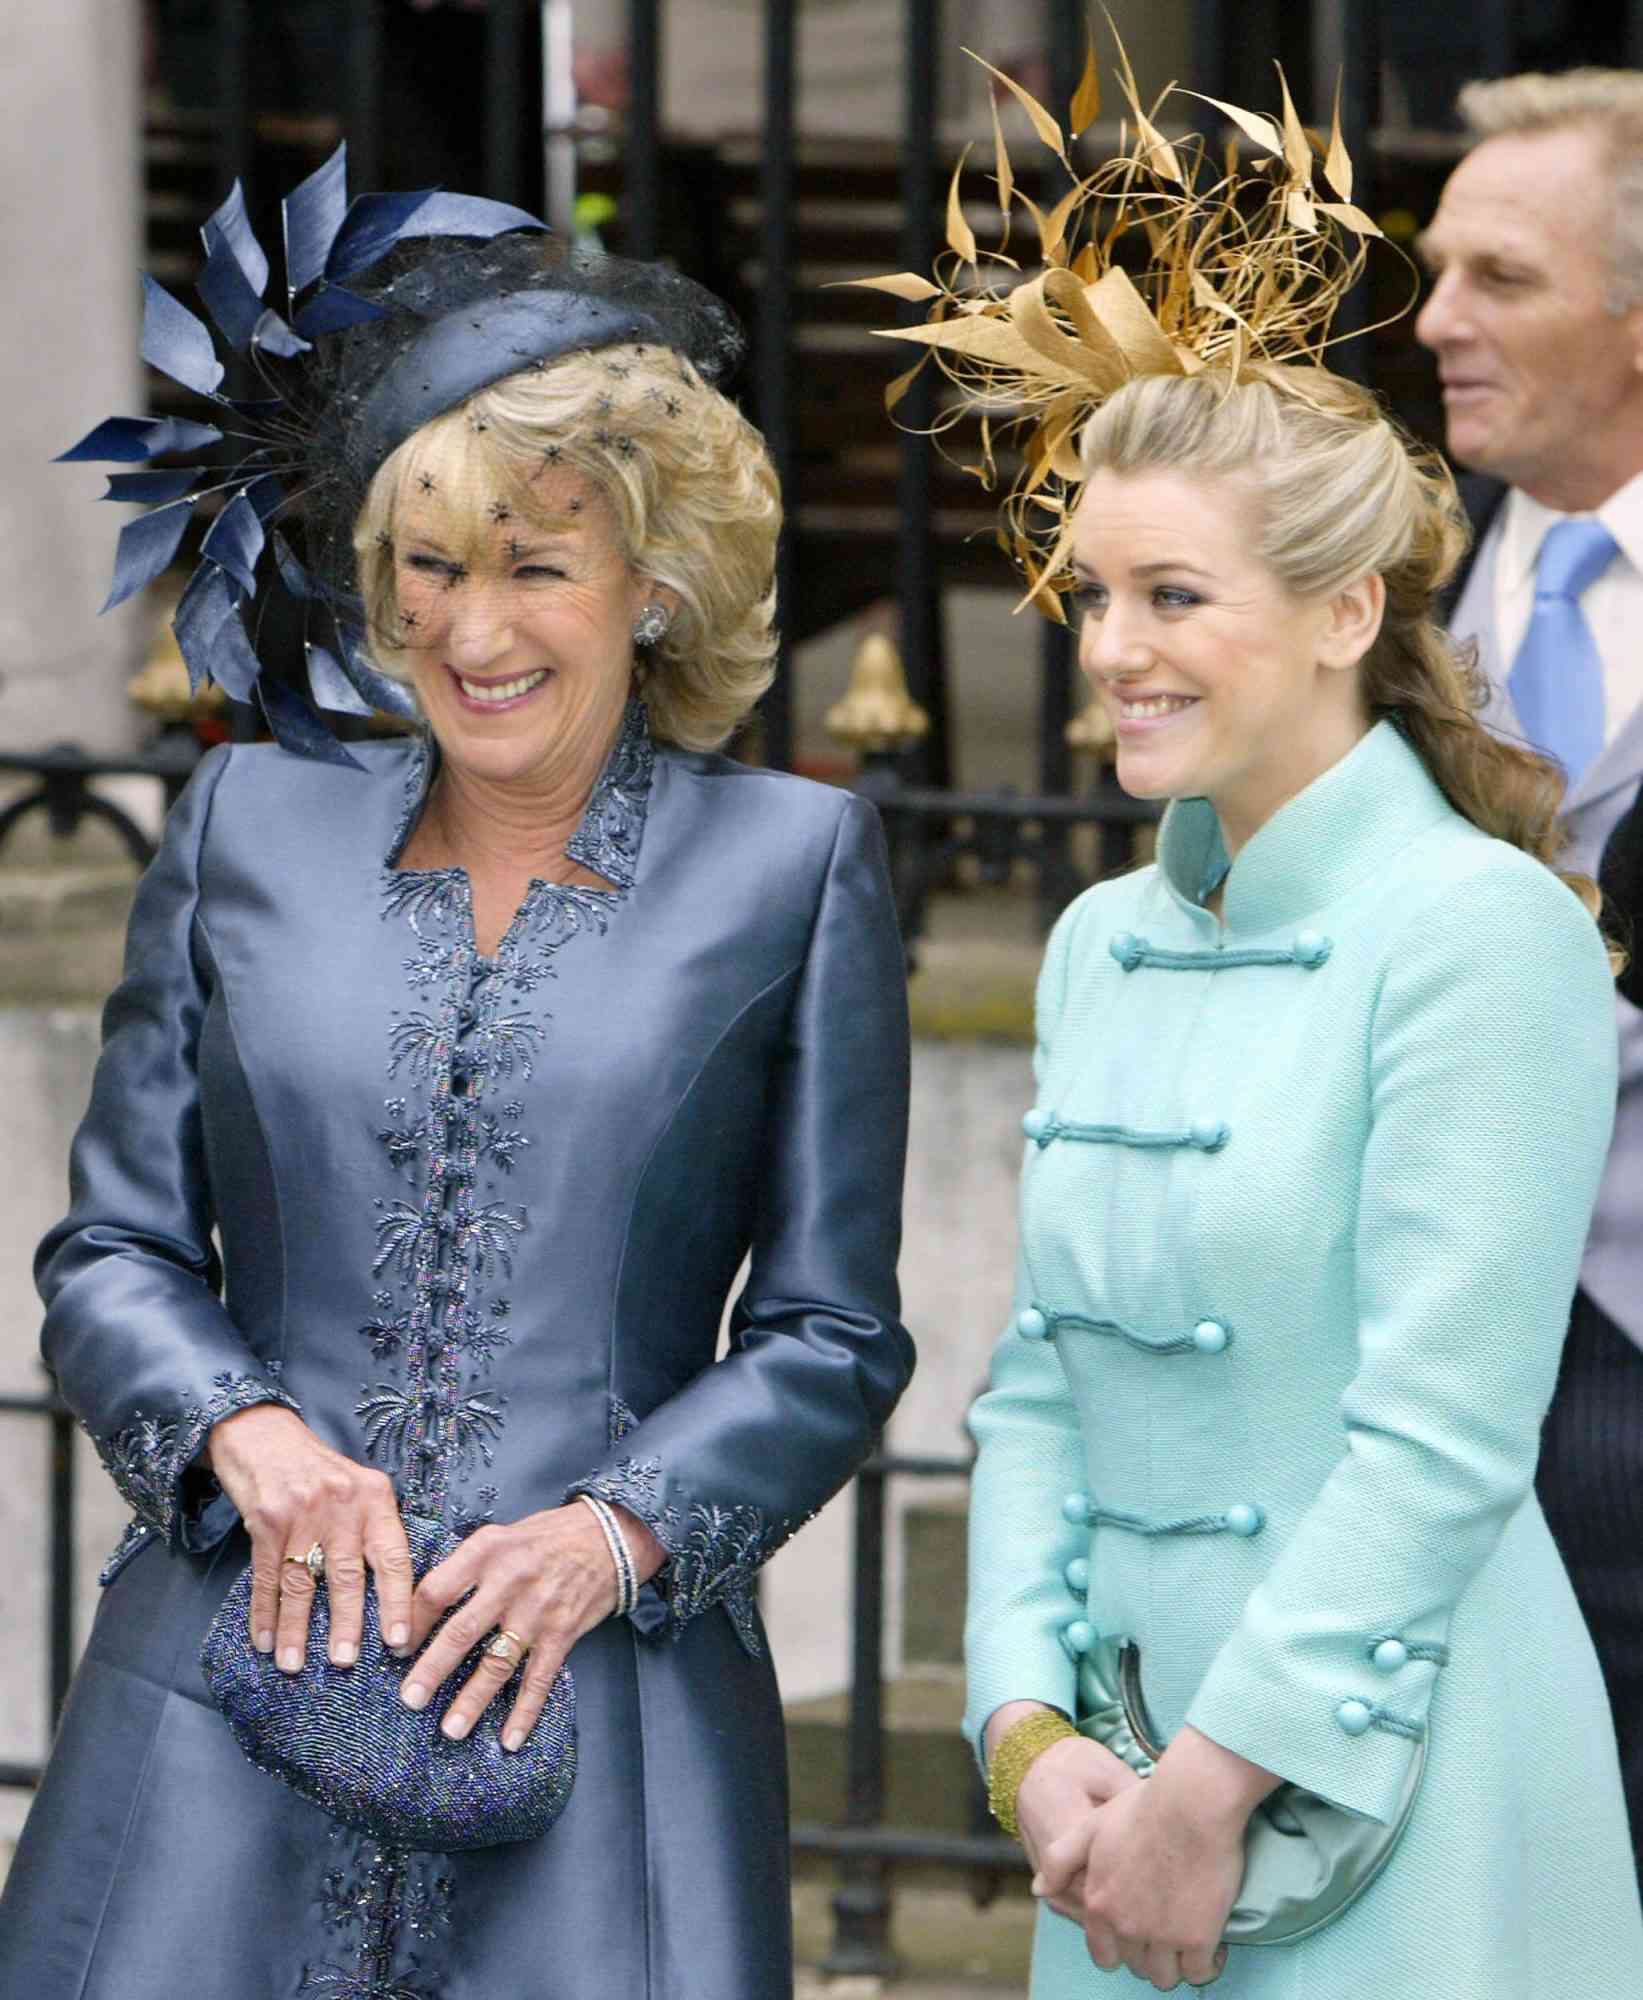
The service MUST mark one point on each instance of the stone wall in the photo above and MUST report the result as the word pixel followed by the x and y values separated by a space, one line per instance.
pixel 69 227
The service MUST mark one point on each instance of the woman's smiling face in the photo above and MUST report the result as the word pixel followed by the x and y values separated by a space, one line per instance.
pixel 517 609
pixel 1220 683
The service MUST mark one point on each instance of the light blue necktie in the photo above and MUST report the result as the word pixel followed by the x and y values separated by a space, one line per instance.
pixel 1557 678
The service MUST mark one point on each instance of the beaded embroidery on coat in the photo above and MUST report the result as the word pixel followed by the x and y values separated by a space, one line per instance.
pixel 460 1060
pixel 149 1459
pixel 714 1553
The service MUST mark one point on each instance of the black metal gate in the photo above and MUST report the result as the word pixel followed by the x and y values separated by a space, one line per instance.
pixel 905 547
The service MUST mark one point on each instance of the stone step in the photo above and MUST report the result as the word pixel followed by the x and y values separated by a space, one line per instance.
pixel 929 1772
pixel 78 895
pixel 949 1945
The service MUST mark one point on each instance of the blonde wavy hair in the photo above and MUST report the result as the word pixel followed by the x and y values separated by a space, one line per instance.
pixel 1343 493
pixel 691 490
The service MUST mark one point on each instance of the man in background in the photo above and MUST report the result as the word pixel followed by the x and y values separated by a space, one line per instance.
pixel 1536 319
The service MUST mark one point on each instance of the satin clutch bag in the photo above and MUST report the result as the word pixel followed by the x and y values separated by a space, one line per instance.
pixel 341 1737
pixel 1305 1860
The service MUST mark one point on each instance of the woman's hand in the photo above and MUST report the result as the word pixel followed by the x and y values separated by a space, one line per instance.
pixel 546 1580
pixel 1061 1788
pixel 1055 1809
pixel 1164 1862
pixel 292 1491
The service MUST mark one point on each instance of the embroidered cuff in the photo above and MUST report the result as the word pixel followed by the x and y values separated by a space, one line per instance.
pixel 152 1459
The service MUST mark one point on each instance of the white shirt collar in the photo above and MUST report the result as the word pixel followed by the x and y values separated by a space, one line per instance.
pixel 1527 522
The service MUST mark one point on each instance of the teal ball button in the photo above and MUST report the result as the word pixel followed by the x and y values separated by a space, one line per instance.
pixel 1031 1324
pixel 1209 1336
pixel 1207 1134
pixel 1036 1124
pixel 1245 1520
pixel 1079 1635
pixel 1311 949
pixel 1077 1574
pixel 1390 1655
pixel 1354 1717
pixel 1076 1508
pixel 1123 943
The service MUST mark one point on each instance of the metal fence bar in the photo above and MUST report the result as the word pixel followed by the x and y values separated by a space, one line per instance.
pixel 1105 801
pixel 643 165
pixel 234 88
pixel 1209 41
pixel 62 1558
pixel 918 588
pixel 1064 30
pixel 861 1904
pixel 1501 26
pixel 505 102
pixel 774 383
pixel 1346 46
pixel 886 1844
pixel 362 93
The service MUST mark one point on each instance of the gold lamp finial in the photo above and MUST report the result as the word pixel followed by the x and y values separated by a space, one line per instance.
pixel 877 713
pixel 1091 732
pixel 161 687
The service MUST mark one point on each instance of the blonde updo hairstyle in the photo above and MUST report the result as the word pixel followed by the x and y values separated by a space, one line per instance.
pixel 690 486
pixel 1343 493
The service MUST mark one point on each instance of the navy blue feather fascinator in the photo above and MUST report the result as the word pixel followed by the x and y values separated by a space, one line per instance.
pixel 397 308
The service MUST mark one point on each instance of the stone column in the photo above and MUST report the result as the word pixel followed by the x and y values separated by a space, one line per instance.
pixel 70 249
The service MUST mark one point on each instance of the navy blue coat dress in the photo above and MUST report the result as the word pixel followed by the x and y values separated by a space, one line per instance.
pixel 477 1219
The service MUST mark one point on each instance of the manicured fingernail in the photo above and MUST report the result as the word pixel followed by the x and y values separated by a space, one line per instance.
pixel 414 1695
pixel 399 1635
pixel 290 1661
pixel 513 1740
pixel 265 1642
pixel 344 1655
pixel 455 1727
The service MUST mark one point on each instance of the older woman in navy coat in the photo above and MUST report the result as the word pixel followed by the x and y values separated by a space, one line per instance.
pixel 441 1102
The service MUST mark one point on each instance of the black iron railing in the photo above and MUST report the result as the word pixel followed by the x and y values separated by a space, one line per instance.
pixel 65 789
pixel 929 831
pixel 864 1846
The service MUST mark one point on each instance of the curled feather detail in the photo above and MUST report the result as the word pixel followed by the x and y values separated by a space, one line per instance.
pixel 1162 260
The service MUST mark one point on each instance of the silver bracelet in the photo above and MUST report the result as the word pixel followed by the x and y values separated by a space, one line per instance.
pixel 627 1581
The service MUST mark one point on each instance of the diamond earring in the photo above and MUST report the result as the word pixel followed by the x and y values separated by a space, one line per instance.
pixel 650 627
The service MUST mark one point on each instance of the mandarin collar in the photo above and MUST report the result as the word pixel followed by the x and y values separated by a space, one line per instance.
pixel 1322 843
pixel 608 836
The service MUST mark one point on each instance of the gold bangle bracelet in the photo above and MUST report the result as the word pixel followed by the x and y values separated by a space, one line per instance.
pixel 1023 1742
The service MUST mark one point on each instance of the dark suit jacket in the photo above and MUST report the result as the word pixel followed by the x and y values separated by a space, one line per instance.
pixel 1482 497
pixel 1606 825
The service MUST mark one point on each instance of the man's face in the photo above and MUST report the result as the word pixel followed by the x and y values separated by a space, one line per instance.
pixel 1541 380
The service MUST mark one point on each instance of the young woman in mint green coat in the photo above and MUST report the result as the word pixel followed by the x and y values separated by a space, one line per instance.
pixel 1322 1101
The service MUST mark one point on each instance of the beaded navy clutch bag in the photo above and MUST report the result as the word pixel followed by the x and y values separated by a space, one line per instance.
pixel 342 1738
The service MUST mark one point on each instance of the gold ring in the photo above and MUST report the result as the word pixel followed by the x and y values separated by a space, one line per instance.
pixel 507 1645
pixel 313 1561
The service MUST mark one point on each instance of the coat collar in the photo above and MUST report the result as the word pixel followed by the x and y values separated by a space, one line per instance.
pixel 613 823
pixel 1327 839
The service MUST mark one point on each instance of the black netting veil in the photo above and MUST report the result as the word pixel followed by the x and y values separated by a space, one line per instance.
pixel 501 306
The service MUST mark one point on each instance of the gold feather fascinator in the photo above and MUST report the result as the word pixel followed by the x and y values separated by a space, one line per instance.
pixel 1162 260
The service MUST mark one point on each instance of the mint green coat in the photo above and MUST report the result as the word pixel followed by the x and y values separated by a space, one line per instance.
pixel 1302 1210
